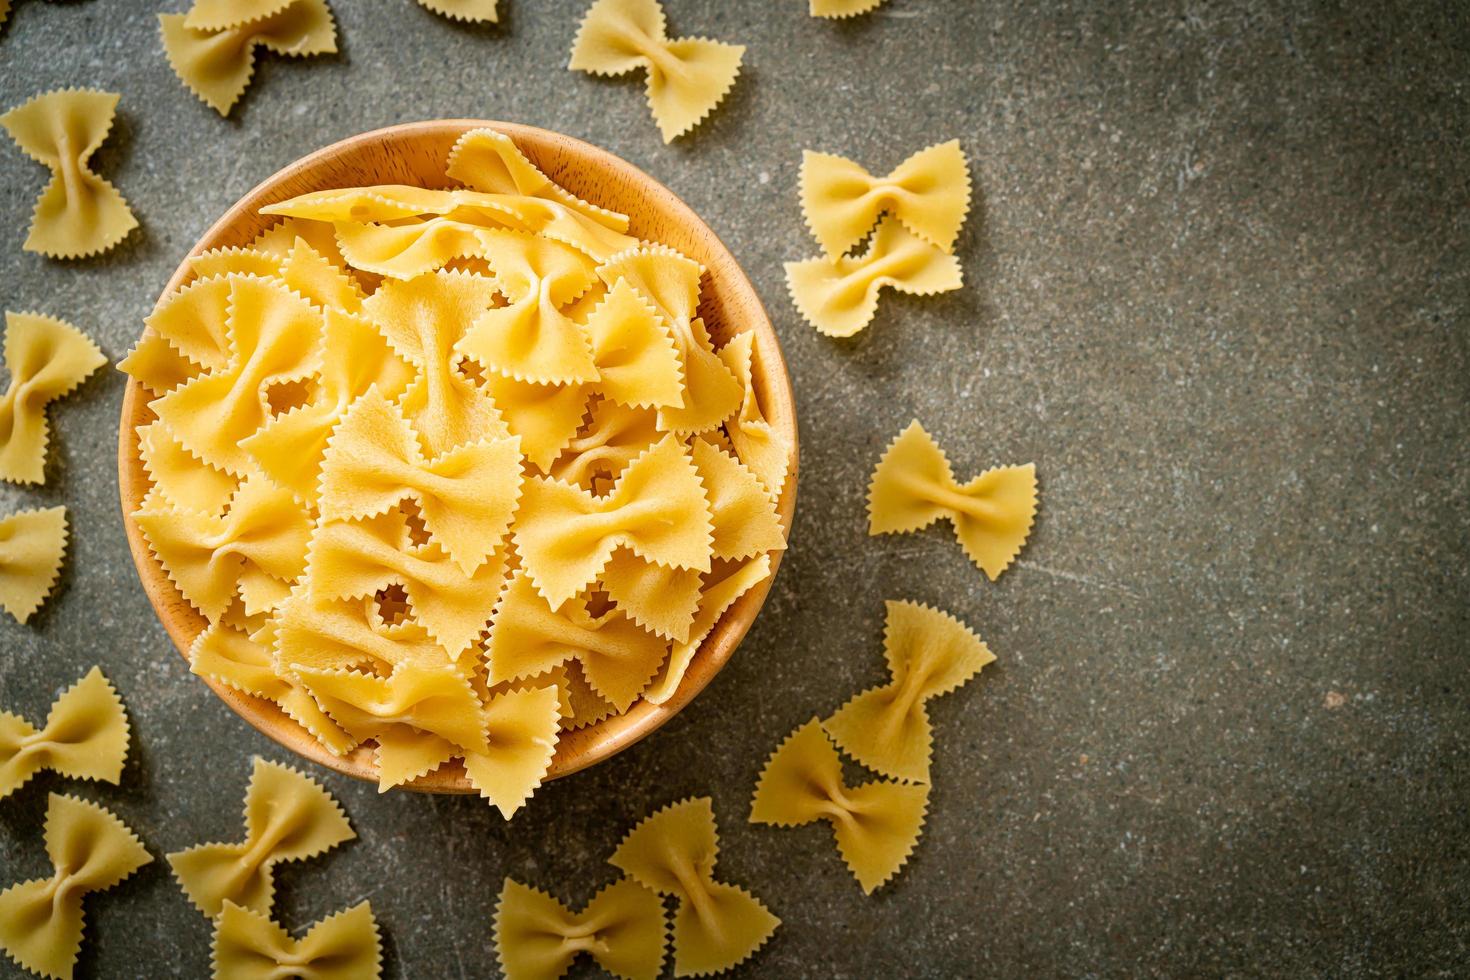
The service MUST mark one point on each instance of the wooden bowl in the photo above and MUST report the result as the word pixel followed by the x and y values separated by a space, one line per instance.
pixel 415 153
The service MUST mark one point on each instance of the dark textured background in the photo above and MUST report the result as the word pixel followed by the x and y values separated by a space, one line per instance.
pixel 1216 289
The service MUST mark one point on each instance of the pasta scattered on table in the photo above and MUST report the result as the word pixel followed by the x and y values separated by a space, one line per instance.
pixel 886 728
pixel 624 929
pixel 32 545
pixel 687 76
pixel 717 925
pixel 216 62
pixel 91 850
pixel 288 817
pixel 913 486
pixel 46 358
pixel 249 945
pixel 85 737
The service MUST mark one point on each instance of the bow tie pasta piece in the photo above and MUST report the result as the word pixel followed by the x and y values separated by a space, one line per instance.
pixel 614 436
pixel 274 338
pixel 929 193
pixel 886 728
pixel 337 634
pixel 876 824
pixel 521 732
pixel 423 319
pixel 529 637
pixel 842 8
pixel 687 77
pixel 623 929
pixel 32 544
pixel 345 946
pixel 41 921
pixel 289 447
pixel 181 479
pixel 235 261
pixel 637 361
pixel 467 496
pixel 544 417
pixel 913 486
pixel 840 297
pixel 658 509
pixel 660 599
pixel 79 213
pixel 46 358
pixel 217 65
pixel 194 320
pixel 281 237
pixel 531 339
pixel 744 518
pixel 232 657
pixel 755 440
pixel 216 15
pixel 288 817
pixel 351 560
pixel 408 250
pixel 717 925
pixel 727 582
pixel 255 548
pixel 587 706
pixel 475 11
pixel 85 737
pixel 490 162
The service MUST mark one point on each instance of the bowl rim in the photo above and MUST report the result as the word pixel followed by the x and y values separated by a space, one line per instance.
pixel 576 749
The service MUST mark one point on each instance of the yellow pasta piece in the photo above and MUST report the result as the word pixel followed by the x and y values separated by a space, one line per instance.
pixel 249 946
pixel 623 929
pixel 755 440
pixel 41 921
pixel 234 658
pixel 423 319
pixel 726 583
pixel 281 237
pixel 929 653
pixel 717 925
pixel 183 480
pixel 636 360
pixel 217 65
pixel 531 339
pixel 482 11
pixel 913 486
pixel 255 548
pixel 929 193
pixel 587 706
pixel 407 250
pixel 235 261
pixel 79 213
pixel 288 817
pixel 216 15
pixel 840 297
pixel 521 731
pixel 545 417
pixel 743 515
pixel 349 560
pixel 434 699
pixel 529 637
pixel 670 282
pixel 274 338
pixel 314 275
pixel 85 737
pixel 157 365
pixel 47 358
pixel 661 599
pixel 194 320
pixel 615 435
pixel 841 8
pixel 687 77
pixel 289 447
pixel 490 162
pixel 466 496
pixel 657 509
pixel 876 824
pixel 32 544
pixel 328 634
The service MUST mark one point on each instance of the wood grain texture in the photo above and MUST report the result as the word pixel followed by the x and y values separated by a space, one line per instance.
pixel 415 153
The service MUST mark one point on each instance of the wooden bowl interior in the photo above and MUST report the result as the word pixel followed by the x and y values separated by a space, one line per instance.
pixel 415 154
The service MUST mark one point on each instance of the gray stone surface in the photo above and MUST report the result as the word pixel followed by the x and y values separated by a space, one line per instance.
pixel 1216 288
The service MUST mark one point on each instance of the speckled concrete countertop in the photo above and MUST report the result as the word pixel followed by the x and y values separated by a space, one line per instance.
pixel 1217 289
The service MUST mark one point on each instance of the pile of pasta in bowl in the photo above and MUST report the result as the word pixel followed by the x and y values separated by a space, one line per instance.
pixel 451 472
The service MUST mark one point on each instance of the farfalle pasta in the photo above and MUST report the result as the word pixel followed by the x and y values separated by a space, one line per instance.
pixel 886 728
pixel 841 8
pixel 248 945
pixel 212 47
pixel 717 925
pixel 288 817
pixel 623 929
pixel 91 850
pixel 85 737
pixel 451 471
pixel 79 213
pixel 687 76
pixel 474 11
pixel 913 486
pixel 32 545
pixel 46 358
pixel 876 823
